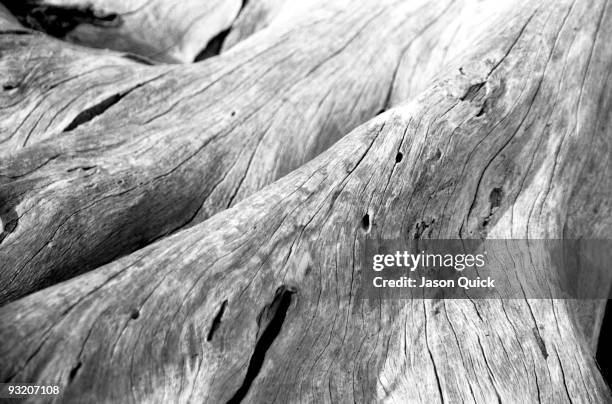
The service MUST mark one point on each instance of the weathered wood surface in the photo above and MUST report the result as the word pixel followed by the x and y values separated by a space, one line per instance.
pixel 162 30
pixel 255 16
pixel 47 85
pixel 463 29
pixel 259 302
pixel 179 143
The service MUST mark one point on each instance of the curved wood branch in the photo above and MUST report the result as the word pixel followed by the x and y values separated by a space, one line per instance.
pixel 162 30
pixel 259 302
pixel 48 86
pixel 182 143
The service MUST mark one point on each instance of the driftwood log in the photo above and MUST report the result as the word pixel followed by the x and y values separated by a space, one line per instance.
pixel 161 30
pixel 259 302
pixel 171 145
pixel 49 87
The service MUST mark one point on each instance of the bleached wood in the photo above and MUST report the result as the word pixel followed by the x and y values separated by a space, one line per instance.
pixel 182 319
pixel 162 30
pixel 171 145
pixel 255 16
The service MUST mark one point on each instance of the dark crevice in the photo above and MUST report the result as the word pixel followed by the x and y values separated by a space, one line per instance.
pixel 473 92
pixel 82 168
pixel 540 342
pixel 215 44
pixel 213 47
pixel 483 108
pixel 604 348
pixel 7 228
pixel 495 201
pixel 58 21
pixel 98 109
pixel 398 157
pixel 74 371
pixel 495 197
pixel 92 112
pixel 271 319
pixel 365 222
pixel 138 59
pixel 421 227
pixel 134 314
pixel 216 322
pixel 9 219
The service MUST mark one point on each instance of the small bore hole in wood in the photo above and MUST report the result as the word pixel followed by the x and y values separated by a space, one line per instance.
pixel 495 197
pixel 134 314
pixel 398 157
pixel 74 371
pixel 365 222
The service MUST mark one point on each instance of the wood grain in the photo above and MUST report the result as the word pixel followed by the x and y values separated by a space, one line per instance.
pixel 255 16
pixel 161 30
pixel 259 302
pixel 172 145
pixel 49 85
